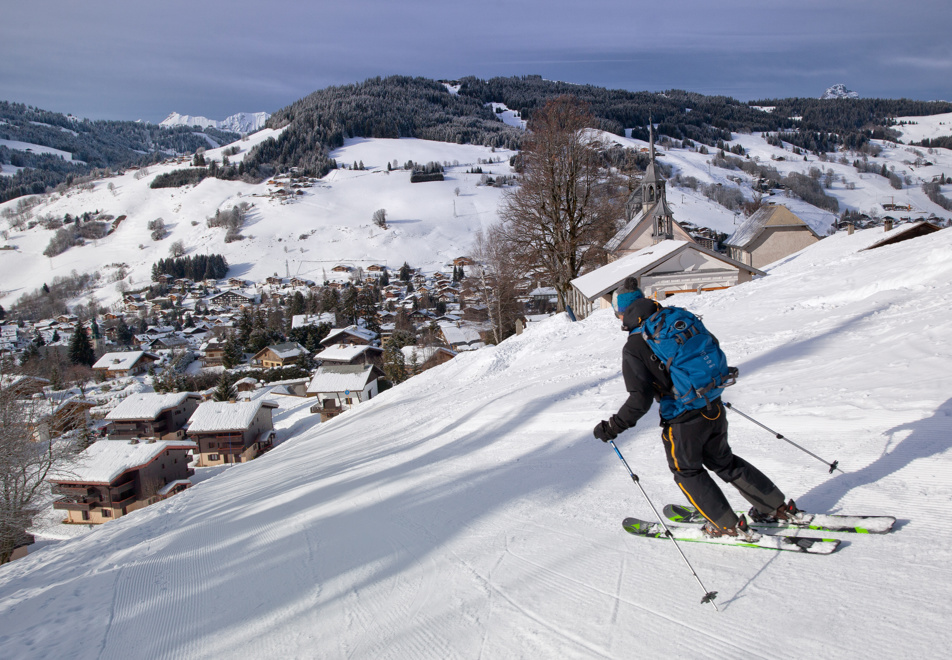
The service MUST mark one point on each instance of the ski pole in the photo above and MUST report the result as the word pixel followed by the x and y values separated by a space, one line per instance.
pixel 708 595
pixel 833 466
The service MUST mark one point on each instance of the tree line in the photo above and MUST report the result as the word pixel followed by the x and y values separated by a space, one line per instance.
pixel 195 267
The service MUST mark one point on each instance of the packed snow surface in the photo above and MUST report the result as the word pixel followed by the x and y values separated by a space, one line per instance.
pixel 469 513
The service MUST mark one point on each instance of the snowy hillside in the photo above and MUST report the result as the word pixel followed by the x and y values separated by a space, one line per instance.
pixel 330 221
pixel 327 224
pixel 243 122
pixel 469 513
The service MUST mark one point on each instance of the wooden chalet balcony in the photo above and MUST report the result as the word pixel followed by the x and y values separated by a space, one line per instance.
pixel 76 504
pixel 74 490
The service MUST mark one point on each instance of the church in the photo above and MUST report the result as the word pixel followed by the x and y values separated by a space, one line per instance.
pixel 649 218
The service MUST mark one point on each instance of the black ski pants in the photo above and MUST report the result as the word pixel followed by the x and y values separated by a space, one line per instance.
pixel 699 442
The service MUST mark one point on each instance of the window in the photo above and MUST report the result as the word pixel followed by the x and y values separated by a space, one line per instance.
pixel 85 515
pixel 107 513
pixel 213 457
pixel 348 401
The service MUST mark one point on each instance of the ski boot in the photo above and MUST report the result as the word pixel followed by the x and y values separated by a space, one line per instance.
pixel 785 513
pixel 741 531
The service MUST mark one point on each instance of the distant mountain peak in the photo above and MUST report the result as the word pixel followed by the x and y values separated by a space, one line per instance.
pixel 243 122
pixel 839 91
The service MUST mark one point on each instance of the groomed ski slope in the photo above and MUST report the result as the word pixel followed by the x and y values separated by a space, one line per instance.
pixel 468 513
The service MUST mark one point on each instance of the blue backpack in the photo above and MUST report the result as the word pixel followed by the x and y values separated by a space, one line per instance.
pixel 691 356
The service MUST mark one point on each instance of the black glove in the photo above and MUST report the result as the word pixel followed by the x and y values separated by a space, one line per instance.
pixel 605 431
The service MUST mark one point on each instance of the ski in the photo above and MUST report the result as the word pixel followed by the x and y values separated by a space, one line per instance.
pixel 692 533
pixel 826 522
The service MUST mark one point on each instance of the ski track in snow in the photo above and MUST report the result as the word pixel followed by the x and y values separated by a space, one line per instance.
pixel 468 513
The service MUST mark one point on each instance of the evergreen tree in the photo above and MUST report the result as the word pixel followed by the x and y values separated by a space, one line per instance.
pixel 394 365
pixel 3 313
pixel 80 348
pixel 232 354
pixel 225 391
pixel 405 272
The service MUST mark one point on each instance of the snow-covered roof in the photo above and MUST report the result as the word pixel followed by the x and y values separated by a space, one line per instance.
pixel 286 350
pixel 213 416
pixel 610 276
pixel 774 215
pixel 340 378
pixel 122 361
pixel 460 335
pixel 344 353
pixel 357 331
pixel 304 320
pixel 148 405
pixel 104 461
pixel 423 353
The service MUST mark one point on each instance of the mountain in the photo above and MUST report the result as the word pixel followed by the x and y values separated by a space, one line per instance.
pixel 839 91
pixel 241 123
pixel 468 512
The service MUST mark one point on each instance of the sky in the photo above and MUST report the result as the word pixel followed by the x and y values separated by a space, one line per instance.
pixel 106 59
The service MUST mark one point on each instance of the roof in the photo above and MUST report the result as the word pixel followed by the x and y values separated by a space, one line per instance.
pixel 213 416
pixel 607 278
pixel 904 233
pixel 148 405
pixel 463 335
pixel 122 361
pixel 105 461
pixel 774 215
pixel 303 320
pixel 357 331
pixel 424 353
pixel 340 378
pixel 344 353
pixel 286 350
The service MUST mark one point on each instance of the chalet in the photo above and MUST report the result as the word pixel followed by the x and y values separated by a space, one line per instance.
pixel 649 218
pixel 231 432
pixel 231 299
pixel 420 358
pixel 279 355
pixel 152 415
pixel 113 477
pixel 463 261
pixel 237 283
pixel 246 384
pixel 351 354
pixel 352 334
pixel 274 280
pixel 51 419
pixel 23 387
pixel 300 282
pixel 342 269
pixel 119 365
pixel 665 269
pixel 770 234
pixel 376 270
pixel 214 352
pixel 341 387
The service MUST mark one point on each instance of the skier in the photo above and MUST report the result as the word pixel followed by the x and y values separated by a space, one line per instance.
pixel 693 440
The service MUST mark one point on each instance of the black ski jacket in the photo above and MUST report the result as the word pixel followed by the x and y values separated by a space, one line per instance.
pixel 645 380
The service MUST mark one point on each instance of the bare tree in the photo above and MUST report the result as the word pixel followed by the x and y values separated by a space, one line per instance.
pixel 569 203
pixel 25 463
pixel 380 218
pixel 495 271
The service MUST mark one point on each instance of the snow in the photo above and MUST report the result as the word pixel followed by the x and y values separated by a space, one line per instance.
pixel 468 512
pixel 340 378
pixel 916 129
pixel 147 405
pixel 604 279
pixel 16 145
pixel 342 352
pixel 104 461
pixel 213 416
pixel 242 122
pixel 122 361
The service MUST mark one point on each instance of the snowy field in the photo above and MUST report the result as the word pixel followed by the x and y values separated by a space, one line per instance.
pixel 468 513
